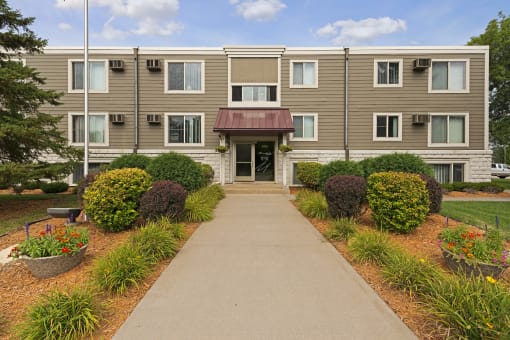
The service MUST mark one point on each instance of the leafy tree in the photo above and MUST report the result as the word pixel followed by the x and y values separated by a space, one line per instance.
pixel 497 36
pixel 26 134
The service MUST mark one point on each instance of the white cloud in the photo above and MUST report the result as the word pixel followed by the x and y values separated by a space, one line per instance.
pixel 258 10
pixel 150 17
pixel 350 32
pixel 63 26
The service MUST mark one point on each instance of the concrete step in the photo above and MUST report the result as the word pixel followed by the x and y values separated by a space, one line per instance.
pixel 255 188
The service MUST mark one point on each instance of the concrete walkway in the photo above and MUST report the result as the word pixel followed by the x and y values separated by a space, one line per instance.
pixel 260 270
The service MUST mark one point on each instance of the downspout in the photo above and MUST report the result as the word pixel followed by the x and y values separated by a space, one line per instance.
pixel 346 105
pixel 135 63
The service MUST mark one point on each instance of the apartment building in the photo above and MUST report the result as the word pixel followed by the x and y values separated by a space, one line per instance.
pixel 327 103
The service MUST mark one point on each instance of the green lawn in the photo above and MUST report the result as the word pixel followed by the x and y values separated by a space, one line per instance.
pixel 479 213
pixel 16 210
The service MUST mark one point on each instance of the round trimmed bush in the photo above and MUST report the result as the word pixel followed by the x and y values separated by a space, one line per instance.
pixel 338 167
pixel 396 162
pixel 435 193
pixel 177 168
pixel 54 187
pixel 399 201
pixel 111 201
pixel 345 195
pixel 165 198
pixel 130 161
pixel 308 174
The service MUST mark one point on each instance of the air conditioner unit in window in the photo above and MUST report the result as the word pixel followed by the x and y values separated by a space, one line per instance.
pixel 420 119
pixel 117 118
pixel 116 65
pixel 153 65
pixel 421 64
pixel 153 118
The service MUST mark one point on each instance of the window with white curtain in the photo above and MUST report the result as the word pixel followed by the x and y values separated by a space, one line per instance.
pixel 184 129
pixel 98 76
pixel 448 129
pixel 448 173
pixel 304 73
pixel 98 129
pixel 387 127
pixel 388 73
pixel 449 76
pixel 184 76
pixel 305 127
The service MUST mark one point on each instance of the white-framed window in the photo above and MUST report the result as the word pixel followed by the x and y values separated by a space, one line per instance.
pixel 79 172
pixel 184 129
pixel 305 127
pixel 295 180
pixel 98 129
pixel 448 129
pixel 388 73
pixel 184 76
pixel 304 74
pixel 449 76
pixel 254 93
pixel 449 172
pixel 98 76
pixel 387 127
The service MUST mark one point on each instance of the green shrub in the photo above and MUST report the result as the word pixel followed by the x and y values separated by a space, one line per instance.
pixel 70 314
pixel 54 187
pixel 473 308
pixel 177 168
pixel 32 185
pixel 164 198
pixel 371 246
pixel 212 194
pixel 345 195
pixel 154 242
pixel 200 204
pixel 313 204
pixel 176 229
pixel 112 199
pixel 341 229
pixel 122 268
pixel 308 174
pixel 338 167
pixel 409 273
pixel 472 187
pixel 130 161
pixel 399 201
pixel 435 193
pixel 396 162
pixel 207 173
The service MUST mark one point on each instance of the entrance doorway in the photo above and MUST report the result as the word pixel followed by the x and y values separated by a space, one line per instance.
pixel 254 161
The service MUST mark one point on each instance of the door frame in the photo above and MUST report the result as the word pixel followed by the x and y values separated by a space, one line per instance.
pixel 254 139
pixel 250 178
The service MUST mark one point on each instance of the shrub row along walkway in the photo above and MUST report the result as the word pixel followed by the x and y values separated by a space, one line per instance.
pixel 259 270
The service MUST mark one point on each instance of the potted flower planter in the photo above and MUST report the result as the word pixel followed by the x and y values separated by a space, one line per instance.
pixel 45 267
pixel 457 264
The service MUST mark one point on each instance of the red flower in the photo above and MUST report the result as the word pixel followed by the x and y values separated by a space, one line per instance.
pixel 80 244
pixel 65 250
pixel 42 233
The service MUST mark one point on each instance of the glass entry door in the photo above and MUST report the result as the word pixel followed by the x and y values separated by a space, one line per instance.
pixel 245 165
pixel 264 161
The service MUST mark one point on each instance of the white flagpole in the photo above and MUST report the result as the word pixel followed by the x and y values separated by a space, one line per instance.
pixel 86 87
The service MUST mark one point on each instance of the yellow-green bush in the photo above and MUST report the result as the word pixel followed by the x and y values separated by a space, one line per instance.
pixel 399 201
pixel 111 201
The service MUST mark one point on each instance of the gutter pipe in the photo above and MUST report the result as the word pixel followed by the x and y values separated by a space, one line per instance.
pixel 346 105
pixel 136 93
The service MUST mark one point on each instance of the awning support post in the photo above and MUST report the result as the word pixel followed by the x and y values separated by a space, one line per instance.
pixel 222 160
pixel 284 162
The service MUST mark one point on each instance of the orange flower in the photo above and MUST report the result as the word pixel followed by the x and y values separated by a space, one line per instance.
pixel 469 244
pixel 464 249
pixel 470 255
pixel 42 233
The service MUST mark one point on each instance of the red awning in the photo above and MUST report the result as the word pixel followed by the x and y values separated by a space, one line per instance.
pixel 253 120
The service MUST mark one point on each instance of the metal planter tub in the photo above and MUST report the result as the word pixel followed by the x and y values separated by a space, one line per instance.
pixel 45 267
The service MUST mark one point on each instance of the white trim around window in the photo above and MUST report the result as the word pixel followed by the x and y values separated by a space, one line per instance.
pixel 70 76
pixel 184 91
pixel 387 83
pixel 314 84
pixel 389 119
pixel 106 134
pixel 447 129
pixel 315 137
pixel 185 136
pixel 449 80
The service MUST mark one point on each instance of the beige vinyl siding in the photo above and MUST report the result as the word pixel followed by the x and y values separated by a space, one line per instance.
pixel 254 70
pixel 119 98
pixel 327 100
pixel 154 100
pixel 412 98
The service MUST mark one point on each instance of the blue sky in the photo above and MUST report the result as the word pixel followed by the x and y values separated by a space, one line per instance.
pixel 215 23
